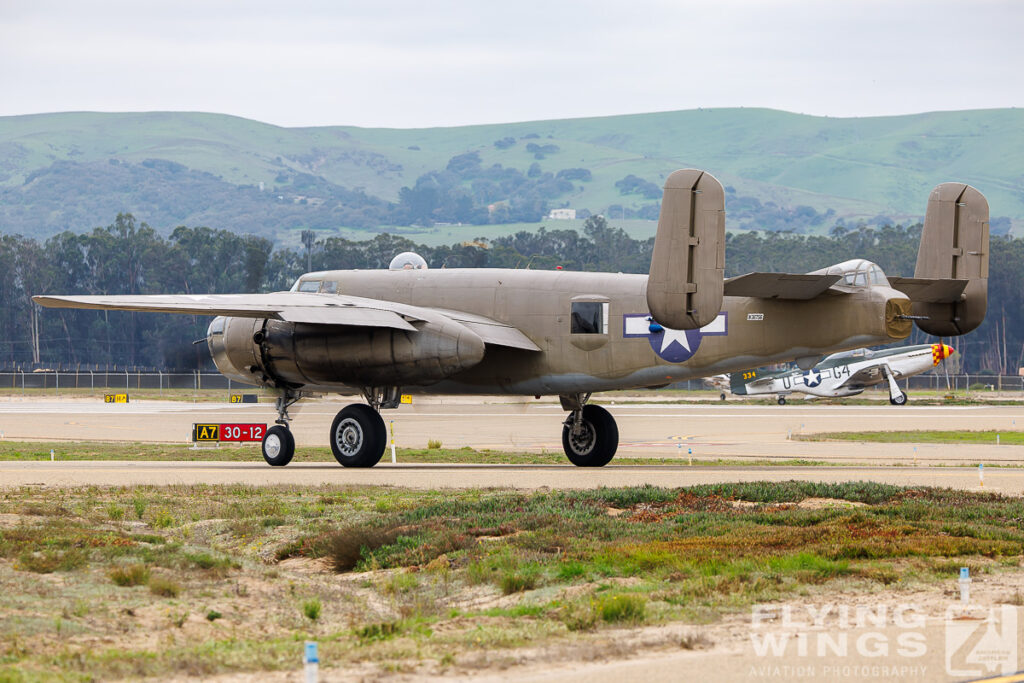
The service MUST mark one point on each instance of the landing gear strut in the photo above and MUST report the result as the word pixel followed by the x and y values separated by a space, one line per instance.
pixel 278 443
pixel 590 436
pixel 896 396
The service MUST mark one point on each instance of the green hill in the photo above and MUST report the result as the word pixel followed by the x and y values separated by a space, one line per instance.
pixel 784 171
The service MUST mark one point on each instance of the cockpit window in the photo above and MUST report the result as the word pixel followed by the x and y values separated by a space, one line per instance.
pixel 310 286
pixel 330 287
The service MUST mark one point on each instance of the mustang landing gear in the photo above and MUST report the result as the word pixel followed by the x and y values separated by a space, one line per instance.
pixel 589 434
pixel 896 396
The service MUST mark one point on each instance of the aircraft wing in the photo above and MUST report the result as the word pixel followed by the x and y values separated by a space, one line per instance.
pixel 871 374
pixel 797 286
pixel 299 307
pixel 930 290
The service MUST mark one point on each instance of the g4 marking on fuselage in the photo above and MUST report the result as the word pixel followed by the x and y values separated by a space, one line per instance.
pixel 813 377
pixel 675 346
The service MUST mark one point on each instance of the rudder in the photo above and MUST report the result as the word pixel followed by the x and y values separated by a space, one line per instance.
pixel 686 282
pixel 954 244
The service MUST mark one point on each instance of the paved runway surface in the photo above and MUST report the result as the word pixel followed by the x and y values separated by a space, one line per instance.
pixel 680 431
pixel 78 473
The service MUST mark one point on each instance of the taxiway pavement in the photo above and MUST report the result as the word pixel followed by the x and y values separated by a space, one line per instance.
pixel 682 431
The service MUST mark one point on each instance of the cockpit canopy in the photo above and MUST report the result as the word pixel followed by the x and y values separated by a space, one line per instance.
pixel 856 354
pixel 856 273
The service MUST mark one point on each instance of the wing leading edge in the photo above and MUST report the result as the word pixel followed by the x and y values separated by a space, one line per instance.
pixel 299 307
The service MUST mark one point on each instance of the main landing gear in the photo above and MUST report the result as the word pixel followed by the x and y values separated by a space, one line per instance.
pixel 358 435
pixel 590 436
pixel 896 396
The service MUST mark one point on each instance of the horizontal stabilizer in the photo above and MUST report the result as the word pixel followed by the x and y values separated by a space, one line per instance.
pixel 930 290
pixel 795 286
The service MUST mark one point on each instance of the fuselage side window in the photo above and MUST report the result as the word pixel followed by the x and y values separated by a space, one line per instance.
pixel 588 318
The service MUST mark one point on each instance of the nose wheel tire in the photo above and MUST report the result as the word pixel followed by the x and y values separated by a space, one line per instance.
pixel 595 442
pixel 782 400
pixel 278 446
pixel 358 436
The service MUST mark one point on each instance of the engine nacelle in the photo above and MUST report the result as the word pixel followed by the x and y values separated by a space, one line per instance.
pixel 262 351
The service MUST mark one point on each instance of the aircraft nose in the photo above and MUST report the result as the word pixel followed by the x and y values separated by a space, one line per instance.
pixel 941 352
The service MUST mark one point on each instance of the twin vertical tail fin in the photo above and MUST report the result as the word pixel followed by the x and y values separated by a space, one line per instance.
pixel 954 245
pixel 686 282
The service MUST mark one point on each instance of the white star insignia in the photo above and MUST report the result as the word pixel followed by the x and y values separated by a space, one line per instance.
pixel 674 336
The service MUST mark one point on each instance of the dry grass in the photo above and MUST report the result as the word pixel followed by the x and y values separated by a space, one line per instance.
pixel 464 578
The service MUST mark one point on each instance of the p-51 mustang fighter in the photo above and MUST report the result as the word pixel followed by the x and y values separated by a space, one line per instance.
pixel 486 331
pixel 845 374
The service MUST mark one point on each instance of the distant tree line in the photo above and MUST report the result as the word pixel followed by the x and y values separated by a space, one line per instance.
pixel 129 257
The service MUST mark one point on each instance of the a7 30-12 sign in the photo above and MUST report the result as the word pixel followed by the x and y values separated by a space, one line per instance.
pixel 228 432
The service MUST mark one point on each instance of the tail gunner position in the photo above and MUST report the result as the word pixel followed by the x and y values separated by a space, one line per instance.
pixel 487 331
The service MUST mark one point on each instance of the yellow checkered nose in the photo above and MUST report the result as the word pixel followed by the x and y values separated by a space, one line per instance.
pixel 940 352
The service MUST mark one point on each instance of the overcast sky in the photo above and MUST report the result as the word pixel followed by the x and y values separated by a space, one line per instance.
pixel 410 63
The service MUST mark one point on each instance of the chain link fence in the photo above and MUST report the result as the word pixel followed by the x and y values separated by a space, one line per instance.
pixel 122 381
pixel 97 380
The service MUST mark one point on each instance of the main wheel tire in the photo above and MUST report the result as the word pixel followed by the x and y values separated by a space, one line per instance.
pixel 899 400
pixel 597 441
pixel 278 446
pixel 782 400
pixel 358 436
pixel 722 396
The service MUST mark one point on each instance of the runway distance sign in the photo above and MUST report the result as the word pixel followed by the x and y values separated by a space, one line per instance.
pixel 234 432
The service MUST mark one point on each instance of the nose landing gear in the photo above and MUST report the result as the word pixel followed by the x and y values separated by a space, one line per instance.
pixel 278 443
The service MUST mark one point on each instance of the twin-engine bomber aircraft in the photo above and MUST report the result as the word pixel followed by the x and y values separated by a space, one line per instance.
pixel 845 374
pixel 486 331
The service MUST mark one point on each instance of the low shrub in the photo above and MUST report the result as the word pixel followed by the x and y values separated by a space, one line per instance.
pixel 346 548
pixel 617 608
pixel 312 608
pixel 49 561
pixel 132 575
pixel 164 587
